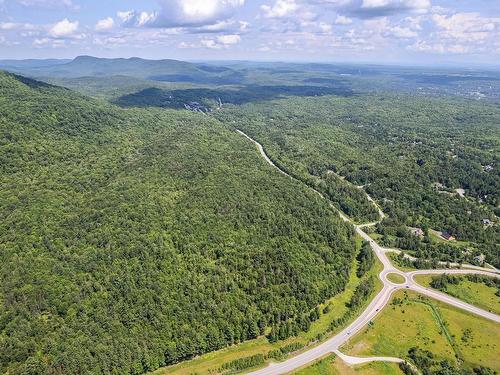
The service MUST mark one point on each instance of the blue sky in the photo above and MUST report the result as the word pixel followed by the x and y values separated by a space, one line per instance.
pixel 391 31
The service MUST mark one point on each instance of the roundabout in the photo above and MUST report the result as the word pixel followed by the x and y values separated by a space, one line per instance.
pixel 395 278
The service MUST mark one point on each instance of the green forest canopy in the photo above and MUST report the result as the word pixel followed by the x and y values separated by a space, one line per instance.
pixel 132 239
pixel 410 153
pixel 135 238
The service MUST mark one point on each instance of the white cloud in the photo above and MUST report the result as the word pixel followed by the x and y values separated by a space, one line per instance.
pixel 325 27
pixel 221 26
pixel 229 39
pixel 466 26
pixel 63 29
pixel 282 8
pixel 48 42
pixel 8 26
pixel 145 18
pixel 244 26
pixel 378 8
pixel 183 13
pixel 402 32
pixel 210 43
pixel 439 48
pixel 48 4
pixel 109 41
pixel 41 41
pixel 105 24
pixel 16 26
pixel 186 45
pixel 343 20
pixel 396 4
pixel 125 15
pixel 414 23
pixel 222 41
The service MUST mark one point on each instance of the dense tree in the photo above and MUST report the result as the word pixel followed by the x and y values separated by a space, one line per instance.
pixel 133 239
pixel 376 141
pixel 426 363
pixel 365 258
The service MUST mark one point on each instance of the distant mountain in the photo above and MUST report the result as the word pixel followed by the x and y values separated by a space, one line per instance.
pixel 159 70
pixel 31 63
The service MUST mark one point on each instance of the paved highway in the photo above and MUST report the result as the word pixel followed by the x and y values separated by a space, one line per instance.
pixel 376 305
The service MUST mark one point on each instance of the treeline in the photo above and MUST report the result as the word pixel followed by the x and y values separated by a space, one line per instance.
pixel 424 362
pixel 280 353
pixel 365 258
pixel 134 239
pixel 243 363
pixel 259 359
pixel 361 294
pixel 441 282
pixel 419 264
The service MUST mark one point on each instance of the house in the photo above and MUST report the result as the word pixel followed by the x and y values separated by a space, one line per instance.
pixel 488 168
pixel 480 258
pixel 487 222
pixel 417 232
pixel 447 236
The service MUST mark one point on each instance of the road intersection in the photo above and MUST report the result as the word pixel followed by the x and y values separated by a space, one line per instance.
pixel 383 297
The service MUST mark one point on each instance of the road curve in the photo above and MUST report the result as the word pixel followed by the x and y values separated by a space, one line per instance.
pixel 264 155
pixel 360 360
pixel 376 305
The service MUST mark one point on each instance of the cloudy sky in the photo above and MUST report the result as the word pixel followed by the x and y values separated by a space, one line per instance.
pixel 395 31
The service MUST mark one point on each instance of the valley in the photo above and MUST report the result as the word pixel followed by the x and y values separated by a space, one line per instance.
pixel 179 218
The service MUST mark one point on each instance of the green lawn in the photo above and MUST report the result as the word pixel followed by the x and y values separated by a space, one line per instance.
pixel 431 325
pixel 435 237
pixel 396 278
pixel 335 366
pixel 207 362
pixel 477 294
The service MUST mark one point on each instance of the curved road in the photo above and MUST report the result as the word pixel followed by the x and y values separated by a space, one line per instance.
pixel 376 305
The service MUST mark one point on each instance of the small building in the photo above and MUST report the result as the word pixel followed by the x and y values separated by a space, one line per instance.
pixel 417 232
pixel 488 168
pixel 480 258
pixel 487 222
pixel 447 236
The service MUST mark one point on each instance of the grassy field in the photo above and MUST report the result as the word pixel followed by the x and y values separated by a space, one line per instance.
pixel 396 278
pixel 435 237
pixel 210 361
pixel 417 321
pixel 477 294
pixel 334 366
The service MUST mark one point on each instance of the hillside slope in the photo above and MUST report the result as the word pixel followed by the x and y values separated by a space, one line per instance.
pixel 157 70
pixel 132 239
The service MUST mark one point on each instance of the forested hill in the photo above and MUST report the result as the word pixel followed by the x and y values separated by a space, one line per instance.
pixel 131 239
pixel 156 70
